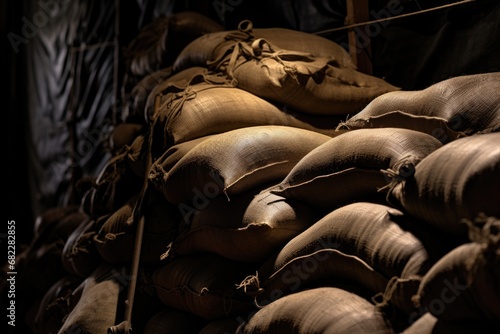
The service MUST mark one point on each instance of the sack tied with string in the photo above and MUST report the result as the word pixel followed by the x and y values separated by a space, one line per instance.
pixel 236 161
pixel 203 284
pixel 250 227
pixel 348 167
pixel 455 182
pixel 448 110
pixel 210 104
pixel 298 80
pixel 209 46
pixel 372 246
pixel 326 310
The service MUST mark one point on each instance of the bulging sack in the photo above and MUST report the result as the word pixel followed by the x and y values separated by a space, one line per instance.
pixel 237 161
pixel 348 167
pixel 96 302
pixel 115 238
pixel 463 285
pixel 79 255
pixel 363 244
pixel 209 46
pixel 298 80
pixel 452 183
pixel 326 310
pixel 203 284
pixel 248 228
pixel 206 107
pixel 448 110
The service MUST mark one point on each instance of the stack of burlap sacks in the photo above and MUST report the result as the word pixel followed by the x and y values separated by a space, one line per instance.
pixel 285 192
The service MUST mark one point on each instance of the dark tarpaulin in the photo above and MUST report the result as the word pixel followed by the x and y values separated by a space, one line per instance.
pixel 70 89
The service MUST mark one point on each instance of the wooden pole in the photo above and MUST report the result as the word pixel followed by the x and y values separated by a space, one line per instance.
pixel 359 40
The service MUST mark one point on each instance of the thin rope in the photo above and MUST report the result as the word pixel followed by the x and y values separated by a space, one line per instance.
pixel 354 25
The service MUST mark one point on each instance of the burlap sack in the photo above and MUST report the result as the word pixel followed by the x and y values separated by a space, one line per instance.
pixel 115 239
pixel 97 299
pixel 348 167
pixel 79 255
pixel 250 229
pixel 448 110
pixel 362 244
pixel 452 183
pixel 204 285
pixel 463 285
pixel 325 310
pixel 298 80
pixel 206 107
pixel 209 46
pixel 237 161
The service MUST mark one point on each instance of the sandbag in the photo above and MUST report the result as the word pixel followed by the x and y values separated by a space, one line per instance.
pixel 55 306
pixel 123 134
pixel 348 167
pixel 43 256
pixel 134 102
pixel 250 229
pixel 158 43
pixel 463 285
pixel 162 165
pixel 206 107
pixel 79 255
pixel 97 302
pixel 237 161
pixel 176 81
pixel 113 186
pixel 322 310
pixel 204 285
pixel 173 321
pixel 51 217
pixel 365 244
pixel 452 183
pixel 209 46
pixel 115 239
pixel 298 80
pixel 429 324
pixel 462 105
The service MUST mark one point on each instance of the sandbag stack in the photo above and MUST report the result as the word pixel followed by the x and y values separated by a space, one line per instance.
pixel 284 191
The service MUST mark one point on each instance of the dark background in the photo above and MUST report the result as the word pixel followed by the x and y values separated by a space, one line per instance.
pixel 61 79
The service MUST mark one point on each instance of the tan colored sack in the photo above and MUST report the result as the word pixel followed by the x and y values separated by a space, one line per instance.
pixel 363 244
pixel 458 106
pixel 247 228
pixel 115 239
pixel 113 186
pixel 463 285
pixel 97 299
pixel 298 80
pixel 205 108
pixel 322 310
pixel 348 167
pixel 236 161
pixel 55 306
pixel 204 285
pixel 162 165
pixel 79 255
pixel 455 182
pixel 209 46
